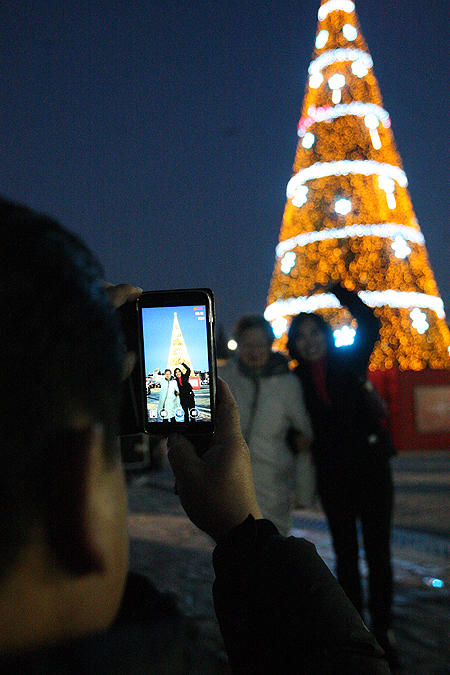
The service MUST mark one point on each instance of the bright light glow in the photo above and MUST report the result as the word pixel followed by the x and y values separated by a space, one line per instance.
pixel 343 168
pixel 349 32
pixel 400 247
pixel 391 201
pixel 232 345
pixel 386 184
pixel 336 96
pixel 279 326
pixel 359 68
pixel 308 140
pixel 433 582
pixel 293 306
pixel 344 336
pixel 375 138
pixel 301 196
pixel 321 39
pixel 335 5
pixel 391 298
pixel 419 320
pixel 343 206
pixel 403 299
pixel 371 120
pixel 340 55
pixel 336 81
pixel 315 80
pixel 288 262
pixel 329 112
pixel 382 230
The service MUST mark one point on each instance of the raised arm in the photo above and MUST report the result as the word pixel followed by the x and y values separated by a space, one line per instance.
pixel 368 327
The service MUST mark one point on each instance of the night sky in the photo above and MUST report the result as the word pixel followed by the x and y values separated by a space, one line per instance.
pixel 164 132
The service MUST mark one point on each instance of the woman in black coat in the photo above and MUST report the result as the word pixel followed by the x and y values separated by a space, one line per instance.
pixel 187 398
pixel 351 452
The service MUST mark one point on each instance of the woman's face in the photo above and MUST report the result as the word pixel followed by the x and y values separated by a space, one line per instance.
pixel 177 372
pixel 254 349
pixel 310 341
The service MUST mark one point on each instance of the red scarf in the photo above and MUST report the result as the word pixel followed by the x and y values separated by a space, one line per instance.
pixel 318 372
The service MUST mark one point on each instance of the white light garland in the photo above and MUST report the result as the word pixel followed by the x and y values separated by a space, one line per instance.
pixel 334 6
pixel 329 112
pixel 359 69
pixel 395 299
pixel 349 32
pixel 384 230
pixel 288 262
pixel 279 326
pixel 343 168
pixel 399 246
pixel 419 320
pixel 321 39
pixel 340 55
pixel 308 140
pixel 343 206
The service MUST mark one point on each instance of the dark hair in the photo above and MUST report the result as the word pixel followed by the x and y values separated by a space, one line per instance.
pixel 253 321
pixel 297 321
pixel 61 352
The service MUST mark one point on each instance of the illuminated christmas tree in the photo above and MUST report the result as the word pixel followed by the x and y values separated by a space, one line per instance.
pixel 348 215
pixel 178 352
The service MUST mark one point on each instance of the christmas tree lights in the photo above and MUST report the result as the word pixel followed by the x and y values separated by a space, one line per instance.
pixel 348 216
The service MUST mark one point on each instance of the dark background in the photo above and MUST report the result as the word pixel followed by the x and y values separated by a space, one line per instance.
pixel 164 132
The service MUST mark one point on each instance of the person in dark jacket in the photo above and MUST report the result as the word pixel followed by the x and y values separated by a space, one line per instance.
pixel 351 450
pixel 66 604
pixel 185 391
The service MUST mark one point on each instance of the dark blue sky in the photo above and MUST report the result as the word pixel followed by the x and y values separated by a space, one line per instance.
pixel 164 132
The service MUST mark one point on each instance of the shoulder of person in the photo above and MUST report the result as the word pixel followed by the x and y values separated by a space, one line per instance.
pixel 278 364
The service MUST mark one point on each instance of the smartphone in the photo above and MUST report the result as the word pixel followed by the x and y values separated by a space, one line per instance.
pixel 173 385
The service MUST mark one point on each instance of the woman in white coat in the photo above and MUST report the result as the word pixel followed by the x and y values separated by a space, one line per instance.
pixel 270 402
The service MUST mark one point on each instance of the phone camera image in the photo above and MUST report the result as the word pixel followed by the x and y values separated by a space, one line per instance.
pixel 177 365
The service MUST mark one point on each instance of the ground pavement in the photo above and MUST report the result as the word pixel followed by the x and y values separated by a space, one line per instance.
pixel 177 557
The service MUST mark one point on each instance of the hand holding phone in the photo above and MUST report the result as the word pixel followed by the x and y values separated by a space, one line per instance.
pixel 216 487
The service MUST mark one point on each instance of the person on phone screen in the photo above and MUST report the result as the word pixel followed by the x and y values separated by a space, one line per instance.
pixel 67 603
pixel 168 395
pixel 185 391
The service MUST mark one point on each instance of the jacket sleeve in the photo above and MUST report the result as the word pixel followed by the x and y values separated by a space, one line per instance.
pixel 368 327
pixel 295 405
pixel 281 611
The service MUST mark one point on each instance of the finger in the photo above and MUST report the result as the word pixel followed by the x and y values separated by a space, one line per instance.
pixel 123 293
pixel 181 454
pixel 228 418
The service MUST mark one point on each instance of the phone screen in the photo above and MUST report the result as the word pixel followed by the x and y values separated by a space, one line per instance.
pixel 177 360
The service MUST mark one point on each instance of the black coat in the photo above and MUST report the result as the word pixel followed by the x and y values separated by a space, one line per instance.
pixel 185 389
pixel 280 610
pixel 348 430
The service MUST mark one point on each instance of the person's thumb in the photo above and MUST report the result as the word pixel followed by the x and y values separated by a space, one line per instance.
pixel 182 455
